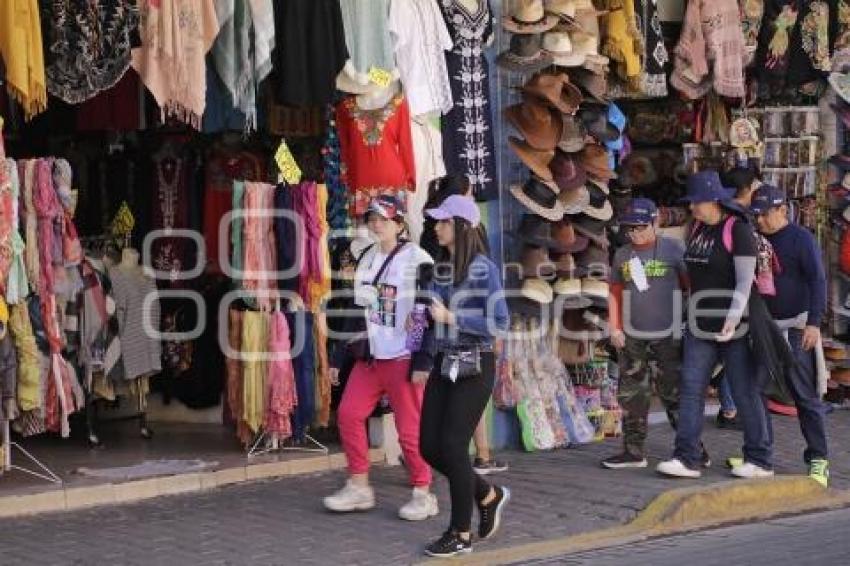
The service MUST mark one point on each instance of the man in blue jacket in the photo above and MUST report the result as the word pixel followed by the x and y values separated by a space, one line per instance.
pixel 798 309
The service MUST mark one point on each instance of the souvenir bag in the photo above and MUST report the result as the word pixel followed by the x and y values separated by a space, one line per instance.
pixel 543 363
pixel 536 429
pixel 578 427
pixel 505 392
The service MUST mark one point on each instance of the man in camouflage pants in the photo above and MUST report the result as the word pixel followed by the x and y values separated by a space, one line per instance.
pixel 647 280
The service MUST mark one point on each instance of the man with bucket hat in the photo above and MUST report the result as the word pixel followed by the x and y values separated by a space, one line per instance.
pixel 647 276
pixel 720 256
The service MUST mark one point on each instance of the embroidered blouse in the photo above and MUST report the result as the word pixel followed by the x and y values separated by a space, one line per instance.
pixel 376 146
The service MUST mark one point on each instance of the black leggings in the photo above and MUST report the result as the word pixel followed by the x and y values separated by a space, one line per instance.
pixel 450 413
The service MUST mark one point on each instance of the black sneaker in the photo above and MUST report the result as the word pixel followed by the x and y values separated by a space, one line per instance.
pixel 624 460
pixel 448 545
pixel 728 423
pixel 491 514
pixel 483 467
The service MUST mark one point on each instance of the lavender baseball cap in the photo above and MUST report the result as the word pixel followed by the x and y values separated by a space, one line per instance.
pixel 457 206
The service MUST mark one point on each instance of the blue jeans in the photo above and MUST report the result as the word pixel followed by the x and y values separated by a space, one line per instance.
pixel 811 412
pixel 724 394
pixel 700 357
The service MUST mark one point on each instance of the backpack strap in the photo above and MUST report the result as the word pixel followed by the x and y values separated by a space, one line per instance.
pixel 727 232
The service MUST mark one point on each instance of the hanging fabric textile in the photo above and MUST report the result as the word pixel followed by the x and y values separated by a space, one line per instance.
pixel 259 242
pixel 468 143
pixel 255 337
pixel 176 37
pixel 281 394
pixel 22 53
pixel 242 51
pixel 88 46
pixel 309 50
pixel 367 38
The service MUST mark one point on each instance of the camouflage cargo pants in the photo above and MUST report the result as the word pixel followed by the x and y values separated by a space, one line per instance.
pixel 647 365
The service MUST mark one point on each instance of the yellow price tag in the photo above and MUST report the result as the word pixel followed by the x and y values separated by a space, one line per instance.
pixel 380 77
pixel 289 169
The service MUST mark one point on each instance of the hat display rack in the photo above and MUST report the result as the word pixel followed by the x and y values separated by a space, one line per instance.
pixel 556 165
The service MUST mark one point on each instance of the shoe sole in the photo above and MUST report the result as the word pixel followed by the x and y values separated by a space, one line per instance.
pixel 488 471
pixel 610 466
pixel 355 509
pixel 752 477
pixel 448 554
pixel 694 476
pixel 417 519
pixel 497 519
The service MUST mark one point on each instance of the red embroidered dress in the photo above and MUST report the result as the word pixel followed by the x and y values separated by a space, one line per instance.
pixel 376 149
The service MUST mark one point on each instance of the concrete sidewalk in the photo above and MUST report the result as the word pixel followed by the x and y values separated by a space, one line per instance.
pixel 281 521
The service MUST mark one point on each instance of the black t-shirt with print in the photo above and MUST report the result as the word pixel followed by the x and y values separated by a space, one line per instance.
pixel 711 268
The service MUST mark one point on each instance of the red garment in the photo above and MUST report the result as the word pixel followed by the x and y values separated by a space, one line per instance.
pixel 222 168
pixel 376 148
pixel 117 109
pixel 260 258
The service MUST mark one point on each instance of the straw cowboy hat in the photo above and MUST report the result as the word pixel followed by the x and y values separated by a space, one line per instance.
pixel 524 55
pixel 538 290
pixel 559 46
pixel 538 124
pixel 539 198
pixel 529 17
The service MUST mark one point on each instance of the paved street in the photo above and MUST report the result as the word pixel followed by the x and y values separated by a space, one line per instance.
pixel 807 539
pixel 282 522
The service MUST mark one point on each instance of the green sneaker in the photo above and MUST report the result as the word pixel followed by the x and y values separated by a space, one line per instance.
pixel 734 462
pixel 819 471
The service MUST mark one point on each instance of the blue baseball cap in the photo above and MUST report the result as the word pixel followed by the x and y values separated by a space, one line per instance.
pixel 639 211
pixel 705 186
pixel 767 197
pixel 457 206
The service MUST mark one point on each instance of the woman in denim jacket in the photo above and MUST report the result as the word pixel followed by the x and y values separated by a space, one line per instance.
pixel 467 309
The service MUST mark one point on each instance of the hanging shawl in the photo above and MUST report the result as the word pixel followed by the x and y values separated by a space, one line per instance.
pixel 17 286
pixel 281 395
pixel 240 64
pixel 176 37
pixel 46 209
pixel 26 169
pixel 22 53
pixel 72 250
pixel 88 46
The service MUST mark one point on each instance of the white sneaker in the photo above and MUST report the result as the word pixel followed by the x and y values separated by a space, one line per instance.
pixel 352 497
pixel 421 506
pixel 749 470
pixel 675 468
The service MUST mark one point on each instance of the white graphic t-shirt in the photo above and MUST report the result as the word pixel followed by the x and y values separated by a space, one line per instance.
pixel 389 302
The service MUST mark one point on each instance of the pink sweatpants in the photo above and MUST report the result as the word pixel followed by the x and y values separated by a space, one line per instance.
pixel 366 384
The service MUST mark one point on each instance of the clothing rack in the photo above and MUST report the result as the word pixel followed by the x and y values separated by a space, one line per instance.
pixel 7 464
pixel 274 445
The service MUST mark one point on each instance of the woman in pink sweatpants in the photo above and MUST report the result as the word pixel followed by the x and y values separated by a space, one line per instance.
pixel 385 285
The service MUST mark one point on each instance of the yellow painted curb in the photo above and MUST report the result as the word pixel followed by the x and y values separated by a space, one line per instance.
pixel 683 510
pixel 70 498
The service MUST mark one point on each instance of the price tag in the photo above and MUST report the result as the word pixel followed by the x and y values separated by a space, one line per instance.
pixel 289 169
pixel 638 274
pixel 380 77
